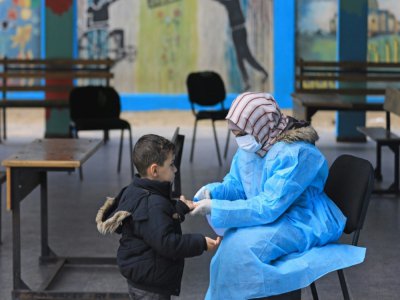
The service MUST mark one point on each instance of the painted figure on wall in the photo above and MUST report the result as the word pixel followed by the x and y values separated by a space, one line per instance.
pixel 237 23
pixel 97 24
pixel 98 41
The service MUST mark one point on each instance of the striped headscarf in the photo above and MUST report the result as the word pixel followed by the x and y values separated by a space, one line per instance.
pixel 258 114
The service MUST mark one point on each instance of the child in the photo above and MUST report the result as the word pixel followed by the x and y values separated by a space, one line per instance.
pixel 152 247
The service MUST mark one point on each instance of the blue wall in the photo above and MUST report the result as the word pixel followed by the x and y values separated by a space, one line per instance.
pixel 141 102
pixel 284 51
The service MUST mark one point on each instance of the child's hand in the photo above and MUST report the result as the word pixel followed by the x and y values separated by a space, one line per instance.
pixel 188 202
pixel 212 244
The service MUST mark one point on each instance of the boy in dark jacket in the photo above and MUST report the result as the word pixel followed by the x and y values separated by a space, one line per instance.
pixel 152 247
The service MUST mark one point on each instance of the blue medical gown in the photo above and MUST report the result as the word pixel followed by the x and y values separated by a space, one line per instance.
pixel 277 218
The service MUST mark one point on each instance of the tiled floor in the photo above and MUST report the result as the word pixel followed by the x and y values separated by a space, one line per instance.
pixel 73 205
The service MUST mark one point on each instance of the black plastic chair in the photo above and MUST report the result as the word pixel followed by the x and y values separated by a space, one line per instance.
pixel 206 88
pixel 349 185
pixel 178 140
pixel 98 108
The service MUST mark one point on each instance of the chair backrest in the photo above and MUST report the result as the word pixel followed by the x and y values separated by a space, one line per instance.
pixel 205 88
pixel 93 102
pixel 349 185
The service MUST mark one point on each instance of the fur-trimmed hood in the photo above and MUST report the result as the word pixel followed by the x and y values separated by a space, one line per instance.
pixel 132 201
pixel 305 134
pixel 109 225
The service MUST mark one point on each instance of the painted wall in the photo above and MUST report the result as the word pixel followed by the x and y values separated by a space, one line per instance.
pixel 164 40
pixel 384 31
pixel 316 30
pixel 20 23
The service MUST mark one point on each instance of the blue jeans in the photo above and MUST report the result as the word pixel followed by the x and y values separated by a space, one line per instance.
pixel 137 294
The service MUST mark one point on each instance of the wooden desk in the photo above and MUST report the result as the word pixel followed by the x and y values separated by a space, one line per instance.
pixel 26 170
pixel 306 105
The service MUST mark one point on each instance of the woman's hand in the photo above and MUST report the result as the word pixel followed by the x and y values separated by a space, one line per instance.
pixel 188 202
pixel 201 194
pixel 202 207
pixel 212 244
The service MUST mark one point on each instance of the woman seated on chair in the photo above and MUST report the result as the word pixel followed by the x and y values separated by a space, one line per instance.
pixel 271 207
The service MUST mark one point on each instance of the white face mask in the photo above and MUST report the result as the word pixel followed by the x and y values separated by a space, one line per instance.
pixel 248 143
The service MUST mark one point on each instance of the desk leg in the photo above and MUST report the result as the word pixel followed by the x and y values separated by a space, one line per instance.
pixel 47 254
pixel 396 169
pixel 395 185
pixel 378 168
pixel 16 232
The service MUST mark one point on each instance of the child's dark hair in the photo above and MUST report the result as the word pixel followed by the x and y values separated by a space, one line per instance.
pixel 150 149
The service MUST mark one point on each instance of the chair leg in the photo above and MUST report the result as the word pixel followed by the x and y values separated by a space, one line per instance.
pixel 378 168
pixel 193 139
pixel 80 173
pixel 396 168
pixel 131 152
pixel 227 144
pixel 106 136
pixel 343 285
pixel 314 291
pixel 120 151
pixel 216 144
pixel 4 123
pixel 1 191
pixel 73 132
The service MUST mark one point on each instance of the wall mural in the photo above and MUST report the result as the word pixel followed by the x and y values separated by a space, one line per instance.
pixel 20 28
pixel 316 30
pixel 384 31
pixel 238 30
pixel 156 43
pixel 97 40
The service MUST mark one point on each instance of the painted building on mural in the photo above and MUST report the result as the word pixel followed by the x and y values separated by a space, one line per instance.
pixel 317 25
pixel 380 21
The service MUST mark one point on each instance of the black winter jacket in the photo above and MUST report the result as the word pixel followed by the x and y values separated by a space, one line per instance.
pixel 152 247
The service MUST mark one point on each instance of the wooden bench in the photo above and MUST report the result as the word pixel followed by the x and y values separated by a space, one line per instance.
pixel 341 86
pixel 385 137
pixel 54 77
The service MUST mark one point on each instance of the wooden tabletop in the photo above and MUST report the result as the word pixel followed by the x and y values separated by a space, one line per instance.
pixel 54 153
